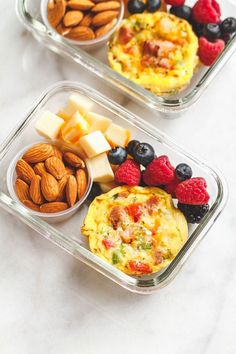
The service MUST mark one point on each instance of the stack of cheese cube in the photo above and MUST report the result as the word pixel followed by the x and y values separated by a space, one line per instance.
pixel 76 124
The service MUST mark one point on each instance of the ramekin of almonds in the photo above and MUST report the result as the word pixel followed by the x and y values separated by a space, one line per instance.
pixel 85 23
pixel 49 180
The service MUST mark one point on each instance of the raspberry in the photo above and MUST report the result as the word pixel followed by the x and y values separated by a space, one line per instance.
pixel 209 51
pixel 193 191
pixel 159 172
pixel 171 187
pixel 206 11
pixel 175 2
pixel 128 173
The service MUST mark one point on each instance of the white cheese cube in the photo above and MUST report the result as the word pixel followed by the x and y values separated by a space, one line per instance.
pixel 117 136
pixel 97 122
pixel 100 168
pixel 77 102
pixel 106 187
pixel 75 127
pixel 49 125
pixel 94 144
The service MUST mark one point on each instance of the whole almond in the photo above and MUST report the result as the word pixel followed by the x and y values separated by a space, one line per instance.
pixel 55 166
pixel 72 18
pixel 71 190
pixel 31 205
pixel 49 187
pixel 73 159
pixel 38 153
pixel 57 152
pixel 81 33
pixel 24 171
pixel 62 189
pixel 40 169
pixel 22 190
pixel 81 179
pixel 102 18
pixel 70 170
pixel 106 5
pixel 87 20
pixel 101 31
pixel 56 12
pixel 54 207
pixel 61 29
pixel 80 4
pixel 35 190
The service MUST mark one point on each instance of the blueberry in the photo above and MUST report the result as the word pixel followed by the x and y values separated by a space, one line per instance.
pixel 183 171
pixel 194 213
pixel 143 154
pixel 95 192
pixel 212 31
pixel 117 155
pixel 184 12
pixel 136 6
pixel 153 5
pixel 197 28
pixel 131 146
pixel 228 25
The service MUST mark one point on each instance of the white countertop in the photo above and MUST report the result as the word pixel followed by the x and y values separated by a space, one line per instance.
pixel 51 303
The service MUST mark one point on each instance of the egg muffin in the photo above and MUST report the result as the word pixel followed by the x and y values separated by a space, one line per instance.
pixel 157 51
pixel 137 229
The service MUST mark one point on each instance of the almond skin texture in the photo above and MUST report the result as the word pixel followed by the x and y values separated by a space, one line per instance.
pixel 22 190
pixel 56 167
pixel 87 20
pixel 62 189
pixel 102 18
pixel 24 171
pixel 53 207
pixel 40 169
pixel 31 205
pixel 81 179
pixel 61 29
pixel 73 160
pixel 70 170
pixel 107 5
pixel 80 4
pixel 57 152
pixel 71 190
pixel 56 12
pixel 81 33
pixel 35 190
pixel 49 187
pixel 101 31
pixel 38 153
pixel 72 18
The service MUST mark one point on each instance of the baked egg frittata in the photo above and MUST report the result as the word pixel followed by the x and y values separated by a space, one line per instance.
pixel 137 229
pixel 157 51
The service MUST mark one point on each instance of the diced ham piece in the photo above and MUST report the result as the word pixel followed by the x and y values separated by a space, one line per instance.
pixel 117 215
pixel 150 48
pixel 125 35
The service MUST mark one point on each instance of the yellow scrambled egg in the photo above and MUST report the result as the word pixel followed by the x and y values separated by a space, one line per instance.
pixel 137 229
pixel 157 51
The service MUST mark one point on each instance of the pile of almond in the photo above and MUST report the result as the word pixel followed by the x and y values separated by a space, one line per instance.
pixel 83 20
pixel 49 180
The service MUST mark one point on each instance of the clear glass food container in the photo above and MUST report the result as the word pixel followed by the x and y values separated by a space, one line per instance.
pixel 67 234
pixel 96 61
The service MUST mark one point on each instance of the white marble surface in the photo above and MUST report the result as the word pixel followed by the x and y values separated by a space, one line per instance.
pixel 53 304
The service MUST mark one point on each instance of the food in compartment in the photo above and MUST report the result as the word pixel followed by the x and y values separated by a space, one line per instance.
pixel 49 125
pixel 136 229
pixel 42 181
pixel 83 20
pixel 100 168
pixel 94 144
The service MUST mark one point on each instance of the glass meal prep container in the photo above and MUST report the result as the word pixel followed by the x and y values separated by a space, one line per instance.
pixel 29 12
pixel 66 234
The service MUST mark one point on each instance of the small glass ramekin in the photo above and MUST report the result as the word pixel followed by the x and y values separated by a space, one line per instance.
pixel 90 44
pixel 50 217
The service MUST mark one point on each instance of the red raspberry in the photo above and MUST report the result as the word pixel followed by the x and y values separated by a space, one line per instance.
pixel 128 173
pixel 171 187
pixel 175 2
pixel 209 51
pixel 193 191
pixel 206 11
pixel 159 172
